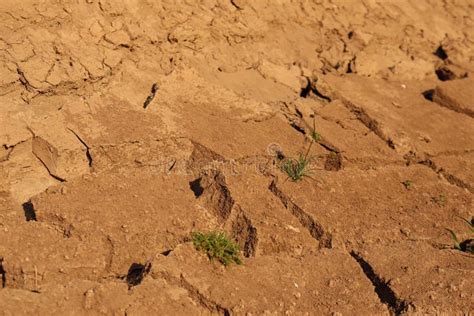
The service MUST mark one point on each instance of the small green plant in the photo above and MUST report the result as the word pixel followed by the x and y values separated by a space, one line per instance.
pixel 470 224
pixel 217 246
pixel 315 136
pixel 440 199
pixel 466 245
pixel 408 184
pixel 298 168
pixel 457 244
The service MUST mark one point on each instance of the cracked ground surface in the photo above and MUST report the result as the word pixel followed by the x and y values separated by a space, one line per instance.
pixel 127 125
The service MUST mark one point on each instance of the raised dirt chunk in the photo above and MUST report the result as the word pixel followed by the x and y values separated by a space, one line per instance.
pixel 272 284
pixel 138 215
pixel 58 148
pixel 457 95
pixel 400 115
pixel 111 296
pixel 430 280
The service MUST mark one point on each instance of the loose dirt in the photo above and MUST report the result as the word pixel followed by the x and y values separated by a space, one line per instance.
pixel 127 125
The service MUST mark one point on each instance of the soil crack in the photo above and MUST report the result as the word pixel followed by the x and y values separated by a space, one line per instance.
pixel 26 84
pixel 8 149
pixel 245 232
pixel 315 229
pixel 218 196
pixel 3 274
pixel 448 176
pixel 42 162
pixel 111 254
pixel 151 96
pixel 235 5
pixel 195 294
pixel 311 87
pixel 368 121
pixel 88 153
pixel 386 295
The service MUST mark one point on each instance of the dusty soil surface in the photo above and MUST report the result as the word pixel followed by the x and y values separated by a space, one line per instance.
pixel 127 125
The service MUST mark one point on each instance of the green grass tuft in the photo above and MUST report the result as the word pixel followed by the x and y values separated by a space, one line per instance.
pixel 217 246
pixel 296 169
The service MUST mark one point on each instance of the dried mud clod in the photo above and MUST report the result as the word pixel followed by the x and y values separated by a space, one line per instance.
pixel 203 159
pixel 333 162
pixel 246 234
pixel 212 187
pixel 457 95
pixel 217 195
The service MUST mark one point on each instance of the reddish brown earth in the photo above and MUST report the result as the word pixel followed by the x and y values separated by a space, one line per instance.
pixel 92 183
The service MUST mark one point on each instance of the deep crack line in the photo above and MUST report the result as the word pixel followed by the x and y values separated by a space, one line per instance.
pixel 151 96
pixel 195 294
pixel 49 171
pixel 88 153
pixel 386 295
pixel 25 83
pixel 315 229
pixel 448 176
pixel 371 123
pixel 3 273
pixel 235 5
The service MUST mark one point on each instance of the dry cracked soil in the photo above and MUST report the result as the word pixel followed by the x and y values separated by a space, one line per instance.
pixel 127 125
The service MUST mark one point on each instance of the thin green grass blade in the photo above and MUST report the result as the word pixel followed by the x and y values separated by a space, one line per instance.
pixel 455 239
